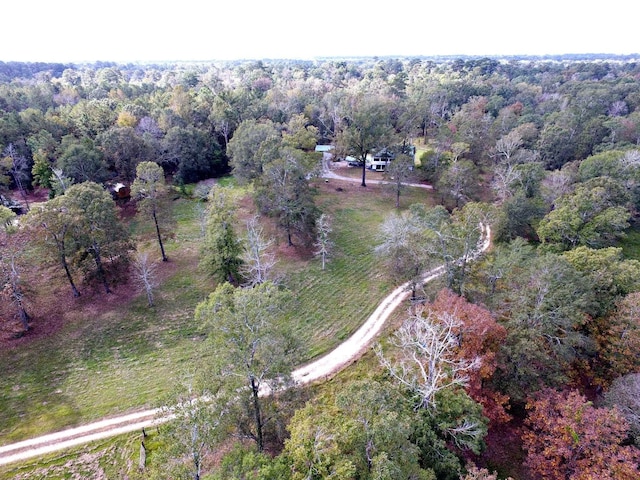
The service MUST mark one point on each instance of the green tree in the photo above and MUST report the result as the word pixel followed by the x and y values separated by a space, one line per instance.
pixel 192 154
pixel 122 150
pixel 300 134
pixel 82 162
pixel 518 217
pixel 56 223
pixel 363 432
pixel 284 192
pixel 6 217
pixel 453 238
pixel 608 274
pixel 595 214
pixel 221 249
pixel 366 127
pixel 253 146
pixel 253 348
pixel 41 170
pixel 96 228
pixel 148 187
pixel 543 302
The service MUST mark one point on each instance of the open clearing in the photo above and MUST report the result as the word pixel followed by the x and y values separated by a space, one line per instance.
pixel 106 355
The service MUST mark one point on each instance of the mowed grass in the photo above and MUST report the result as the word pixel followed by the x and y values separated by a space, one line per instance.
pixel 107 360
pixel 332 303
pixel 125 356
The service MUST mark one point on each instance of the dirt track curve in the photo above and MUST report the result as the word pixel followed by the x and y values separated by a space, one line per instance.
pixel 320 369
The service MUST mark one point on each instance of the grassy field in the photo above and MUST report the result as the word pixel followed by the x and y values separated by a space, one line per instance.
pixel 112 354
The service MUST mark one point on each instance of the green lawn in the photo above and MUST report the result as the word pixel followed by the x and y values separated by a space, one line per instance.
pixel 128 356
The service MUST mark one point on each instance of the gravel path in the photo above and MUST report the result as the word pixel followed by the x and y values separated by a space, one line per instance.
pixel 347 352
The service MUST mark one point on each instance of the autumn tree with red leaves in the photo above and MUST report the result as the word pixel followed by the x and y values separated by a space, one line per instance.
pixel 480 337
pixel 567 438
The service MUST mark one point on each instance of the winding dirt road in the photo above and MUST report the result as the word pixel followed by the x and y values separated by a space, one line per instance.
pixel 320 369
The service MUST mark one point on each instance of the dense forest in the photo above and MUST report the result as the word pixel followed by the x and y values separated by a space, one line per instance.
pixel 522 363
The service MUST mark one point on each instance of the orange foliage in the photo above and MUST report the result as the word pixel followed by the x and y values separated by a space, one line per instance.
pixel 569 439
pixel 481 337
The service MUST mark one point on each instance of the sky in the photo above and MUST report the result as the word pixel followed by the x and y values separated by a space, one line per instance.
pixel 204 30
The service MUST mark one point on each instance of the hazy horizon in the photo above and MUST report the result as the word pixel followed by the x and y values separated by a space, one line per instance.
pixel 142 31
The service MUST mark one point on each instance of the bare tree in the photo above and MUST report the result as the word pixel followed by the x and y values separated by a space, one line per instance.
pixel 323 243
pixel 505 177
pixel 398 172
pixel 18 168
pixel 11 284
pixel 60 182
pixel 556 184
pixel 507 146
pixel 145 274
pixel 403 248
pixel 258 261
pixel 427 360
pixel 625 395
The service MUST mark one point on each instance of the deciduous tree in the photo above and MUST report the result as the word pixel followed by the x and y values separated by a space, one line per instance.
pixel 428 361
pixel 398 172
pixel 96 228
pixel 624 394
pixel 323 242
pixel 453 238
pixel 148 187
pixel 6 217
pixel 18 168
pixel 56 222
pixel 253 146
pixel 284 193
pixel 253 348
pixel 257 260
pixel 366 127
pixel 82 162
pixel 569 439
pixel 11 282
pixel 595 214
pixel 364 432
pixel 144 270
pixel 618 339
pixel 543 302
pixel 404 249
